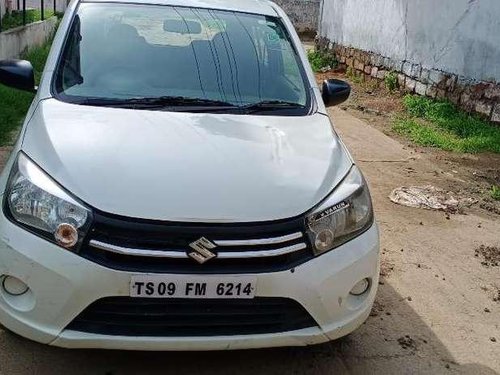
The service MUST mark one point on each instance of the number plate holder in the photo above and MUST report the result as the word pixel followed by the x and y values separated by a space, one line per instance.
pixel 177 286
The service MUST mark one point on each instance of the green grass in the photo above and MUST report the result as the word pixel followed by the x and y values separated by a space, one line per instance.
pixel 320 59
pixel 441 124
pixel 354 76
pixel 15 103
pixel 391 81
pixel 495 193
pixel 15 18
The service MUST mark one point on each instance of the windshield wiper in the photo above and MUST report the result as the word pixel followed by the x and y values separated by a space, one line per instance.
pixel 157 102
pixel 180 101
pixel 270 105
pixel 195 104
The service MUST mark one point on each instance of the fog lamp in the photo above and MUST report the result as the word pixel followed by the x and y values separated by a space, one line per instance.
pixel 13 286
pixel 360 288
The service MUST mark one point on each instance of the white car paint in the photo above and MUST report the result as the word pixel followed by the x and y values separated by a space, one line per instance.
pixel 187 167
pixel 182 167
pixel 321 285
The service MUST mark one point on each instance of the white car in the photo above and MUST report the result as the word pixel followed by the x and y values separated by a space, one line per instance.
pixel 178 185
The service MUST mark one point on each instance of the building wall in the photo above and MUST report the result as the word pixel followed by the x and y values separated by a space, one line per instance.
pixel 445 48
pixel 457 36
pixel 15 41
pixel 2 8
pixel 303 13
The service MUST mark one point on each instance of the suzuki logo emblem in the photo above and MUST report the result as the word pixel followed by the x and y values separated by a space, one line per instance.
pixel 202 249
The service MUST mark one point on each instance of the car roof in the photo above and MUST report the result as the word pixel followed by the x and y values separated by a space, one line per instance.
pixel 263 7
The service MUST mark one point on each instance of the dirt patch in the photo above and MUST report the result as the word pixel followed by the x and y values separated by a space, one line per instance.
pixel 377 309
pixel 386 268
pixel 490 206
pixel 489 254
pixel 407 342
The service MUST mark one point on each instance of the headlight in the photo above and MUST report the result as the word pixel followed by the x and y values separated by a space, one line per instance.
pixel 345 214
pixel 38 203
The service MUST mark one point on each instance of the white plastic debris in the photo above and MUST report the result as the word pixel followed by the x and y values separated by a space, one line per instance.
pixel 428 197
pixel 325 69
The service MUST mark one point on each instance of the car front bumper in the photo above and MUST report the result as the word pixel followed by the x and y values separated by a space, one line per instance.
pixel 63 284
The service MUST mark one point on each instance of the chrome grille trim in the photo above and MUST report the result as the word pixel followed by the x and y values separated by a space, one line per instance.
pixel 138 252
pixel 262 253
pixel 183 255
pixel 264 241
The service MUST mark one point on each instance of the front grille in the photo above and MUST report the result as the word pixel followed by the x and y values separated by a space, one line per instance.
pixel 161 247
pixel 125 316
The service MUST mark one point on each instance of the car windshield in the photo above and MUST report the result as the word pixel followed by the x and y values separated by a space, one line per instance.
pixel 157 56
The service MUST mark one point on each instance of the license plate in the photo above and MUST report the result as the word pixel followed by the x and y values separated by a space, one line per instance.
pixel 193 287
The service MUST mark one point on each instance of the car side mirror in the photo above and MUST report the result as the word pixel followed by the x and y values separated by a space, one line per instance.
pixel 18 74
pixel 335 92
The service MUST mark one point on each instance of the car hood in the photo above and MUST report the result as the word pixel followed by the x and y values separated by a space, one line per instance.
pixel 187 167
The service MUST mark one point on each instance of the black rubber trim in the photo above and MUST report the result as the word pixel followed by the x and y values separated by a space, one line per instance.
pixel 156 317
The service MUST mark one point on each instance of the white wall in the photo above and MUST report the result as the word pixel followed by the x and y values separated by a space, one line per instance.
pixel 456 36
pixel 15 41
